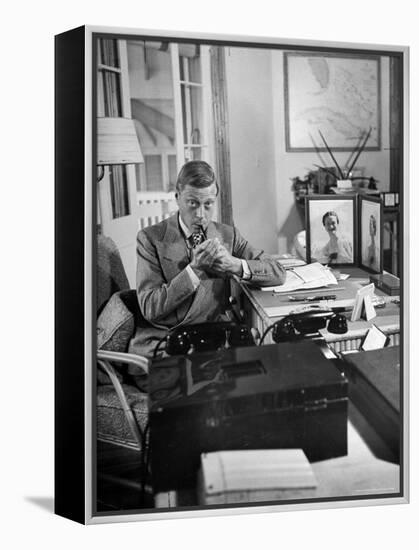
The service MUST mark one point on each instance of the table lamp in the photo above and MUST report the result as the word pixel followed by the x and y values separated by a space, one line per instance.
pixel 117 143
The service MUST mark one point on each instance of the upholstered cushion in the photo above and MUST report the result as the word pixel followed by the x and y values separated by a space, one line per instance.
pixel 115 325
pixel 111 275
pixel 114 328
pixel 112 425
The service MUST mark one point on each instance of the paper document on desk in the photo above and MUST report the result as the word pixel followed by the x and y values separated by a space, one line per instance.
pixel 289 262
pixel 305 277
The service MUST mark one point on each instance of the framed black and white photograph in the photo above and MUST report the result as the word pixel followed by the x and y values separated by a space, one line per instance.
pixel 331 229
pixel 371 233
pixel 315 84
pixel 176 224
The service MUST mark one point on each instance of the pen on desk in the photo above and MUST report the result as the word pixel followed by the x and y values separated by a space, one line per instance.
pixel 311 298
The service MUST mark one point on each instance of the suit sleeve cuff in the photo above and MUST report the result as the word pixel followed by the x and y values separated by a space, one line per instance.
pixel 193 277
pixel 246 271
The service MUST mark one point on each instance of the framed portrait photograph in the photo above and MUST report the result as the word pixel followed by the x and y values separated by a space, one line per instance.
pixel 175 384
pixel 314 85
pixel 371 233
pixel 331 229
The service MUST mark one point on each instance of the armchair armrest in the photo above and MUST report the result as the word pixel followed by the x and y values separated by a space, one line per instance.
pixel 105 359
pixel 126 358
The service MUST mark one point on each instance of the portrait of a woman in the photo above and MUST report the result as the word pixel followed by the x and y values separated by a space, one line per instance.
pixel 370 230
pixel 371 252
pixel 338 249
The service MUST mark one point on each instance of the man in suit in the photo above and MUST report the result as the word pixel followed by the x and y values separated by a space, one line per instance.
pixel 184 262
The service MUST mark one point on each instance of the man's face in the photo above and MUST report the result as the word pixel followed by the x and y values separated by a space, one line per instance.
pixel 331 224
pixel 196 206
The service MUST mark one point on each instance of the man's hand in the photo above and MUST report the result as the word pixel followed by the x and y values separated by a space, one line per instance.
pixel 212 256
pixel 204 255
pixel 225 263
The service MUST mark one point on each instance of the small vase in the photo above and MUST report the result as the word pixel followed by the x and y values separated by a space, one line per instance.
pixel 344 184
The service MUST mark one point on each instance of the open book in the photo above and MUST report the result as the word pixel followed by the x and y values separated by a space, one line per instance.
pixel 305 277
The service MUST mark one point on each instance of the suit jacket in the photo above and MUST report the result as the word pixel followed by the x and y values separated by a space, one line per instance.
pixel 165 292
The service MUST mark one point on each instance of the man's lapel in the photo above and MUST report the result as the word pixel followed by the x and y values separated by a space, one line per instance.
pixel 174 253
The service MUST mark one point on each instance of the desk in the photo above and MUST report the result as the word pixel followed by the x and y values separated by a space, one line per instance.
pixel 370 466
pixel 260 306
pixel 367 469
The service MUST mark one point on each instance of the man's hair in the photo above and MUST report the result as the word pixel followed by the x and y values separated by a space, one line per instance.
pixel 196 173
pixel 328 214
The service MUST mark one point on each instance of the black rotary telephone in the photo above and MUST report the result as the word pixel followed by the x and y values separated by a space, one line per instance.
pixel 305 324
pixel 207 337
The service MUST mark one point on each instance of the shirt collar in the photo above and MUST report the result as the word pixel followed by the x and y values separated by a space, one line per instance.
pixel 186 232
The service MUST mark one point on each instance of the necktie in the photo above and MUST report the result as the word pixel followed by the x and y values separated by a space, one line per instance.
pixel 196 239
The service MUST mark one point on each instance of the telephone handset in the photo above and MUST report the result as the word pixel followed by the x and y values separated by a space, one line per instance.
pixel 301 324
pixel 311 312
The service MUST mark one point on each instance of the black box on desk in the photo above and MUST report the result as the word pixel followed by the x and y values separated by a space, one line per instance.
pixel 390 284
pixel 375 391
pixel 267 397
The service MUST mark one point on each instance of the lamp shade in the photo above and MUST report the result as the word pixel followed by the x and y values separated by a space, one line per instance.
pixel 117 142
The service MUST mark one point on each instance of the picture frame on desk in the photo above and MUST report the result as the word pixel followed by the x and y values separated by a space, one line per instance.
pixel 331 229
pixel 390 199
pixel 106 172
pixel 371 233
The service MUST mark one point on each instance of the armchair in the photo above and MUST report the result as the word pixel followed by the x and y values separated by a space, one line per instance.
pixel 121 407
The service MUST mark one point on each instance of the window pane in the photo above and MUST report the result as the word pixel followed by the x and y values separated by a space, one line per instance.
pixel 193 153
pixel 196 114
pixel 185 109
pixel 153 110
pixel 172 172
pixel 140 177
pixel 154 173
pixel 195 68
pixel 119 191
pixel 108 52
pixel 192 114
pixel 190 63
pixel 100 95
pixel 112 94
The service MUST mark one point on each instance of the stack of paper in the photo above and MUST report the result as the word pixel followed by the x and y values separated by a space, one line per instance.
pixel 288 261
pixel 254 476
pixel 305 277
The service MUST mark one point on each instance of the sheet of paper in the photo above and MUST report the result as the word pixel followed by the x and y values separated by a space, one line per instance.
pixel 304 278
pixel 370 312
pixel 313 272
pixel 375 339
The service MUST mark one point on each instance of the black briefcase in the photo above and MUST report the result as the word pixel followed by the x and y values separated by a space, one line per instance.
pixel 268 397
